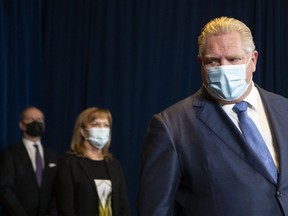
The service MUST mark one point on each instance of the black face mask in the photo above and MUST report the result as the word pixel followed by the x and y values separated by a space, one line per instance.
pixel 34 129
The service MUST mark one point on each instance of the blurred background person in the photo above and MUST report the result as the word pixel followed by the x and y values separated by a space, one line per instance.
pixel 90 181
pixel 28 171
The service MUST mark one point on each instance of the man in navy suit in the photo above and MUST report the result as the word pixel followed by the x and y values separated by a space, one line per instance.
pixel 195 160
pixel 22 192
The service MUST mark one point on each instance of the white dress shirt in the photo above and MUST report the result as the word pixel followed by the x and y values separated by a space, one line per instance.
pixel 29 145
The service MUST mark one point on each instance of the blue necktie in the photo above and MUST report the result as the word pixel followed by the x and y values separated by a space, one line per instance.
pixel 39 166
pixel 254 138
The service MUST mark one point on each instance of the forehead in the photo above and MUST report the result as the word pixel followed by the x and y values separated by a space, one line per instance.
pixel 97 115
pixel 33 113
pixel 224 45
pixel 101 119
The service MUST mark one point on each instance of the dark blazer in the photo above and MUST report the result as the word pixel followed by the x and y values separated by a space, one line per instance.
pixel 20 194
pixel 195 162
pixel 76 191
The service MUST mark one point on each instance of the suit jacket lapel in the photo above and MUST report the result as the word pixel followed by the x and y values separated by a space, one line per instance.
pixel 45 171
pixel 278 119
pixel 225 129
pixel 27 161
pixel 112 175
pixel 86 170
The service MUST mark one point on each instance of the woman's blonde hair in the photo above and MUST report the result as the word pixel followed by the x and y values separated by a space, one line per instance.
pixel 224 25
pixel 85 118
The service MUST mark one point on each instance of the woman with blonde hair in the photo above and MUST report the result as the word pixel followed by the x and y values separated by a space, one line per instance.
pixel 90 181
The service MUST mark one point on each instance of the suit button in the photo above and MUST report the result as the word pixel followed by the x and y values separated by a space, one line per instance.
pixel 279 194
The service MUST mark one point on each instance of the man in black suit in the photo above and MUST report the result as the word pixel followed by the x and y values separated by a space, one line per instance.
pixel 27 180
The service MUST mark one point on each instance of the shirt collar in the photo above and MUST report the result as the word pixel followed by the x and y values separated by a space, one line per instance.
pixel 251 98
pixel 29 143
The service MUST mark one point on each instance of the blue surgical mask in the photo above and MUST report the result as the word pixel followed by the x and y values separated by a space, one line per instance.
pixel 227 82
pixel 98 137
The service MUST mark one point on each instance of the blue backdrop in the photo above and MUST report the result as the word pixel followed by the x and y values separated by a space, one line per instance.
pixel 134 57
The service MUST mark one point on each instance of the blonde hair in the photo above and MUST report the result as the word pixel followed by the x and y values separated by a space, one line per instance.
pixel 86 117
pixel 224 25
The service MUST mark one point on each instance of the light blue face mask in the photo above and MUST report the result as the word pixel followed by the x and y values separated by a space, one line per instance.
pixel 98 137
pixel 227 82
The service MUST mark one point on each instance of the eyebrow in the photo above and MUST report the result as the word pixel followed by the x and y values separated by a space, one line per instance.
pixel 229 56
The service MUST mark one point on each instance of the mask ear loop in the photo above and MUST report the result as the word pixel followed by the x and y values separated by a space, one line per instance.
pixel 250 57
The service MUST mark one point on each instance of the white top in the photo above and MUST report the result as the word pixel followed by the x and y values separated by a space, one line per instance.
pixel 257 113
pixel 104 189
pixel 29 145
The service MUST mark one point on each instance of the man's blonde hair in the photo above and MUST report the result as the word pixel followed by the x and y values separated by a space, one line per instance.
pixel 224 25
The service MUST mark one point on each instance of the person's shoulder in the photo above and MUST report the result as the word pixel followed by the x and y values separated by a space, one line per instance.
pixel 70 157
pixel 112 160
pixel 182 107
pixel 68 160
pixel 186 102
pixel 271 96
pixel 12 152
pixel 114 163
pixel 179 105
pixel 13 148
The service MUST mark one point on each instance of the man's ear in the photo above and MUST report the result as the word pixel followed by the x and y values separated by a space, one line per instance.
pixel 254 58
pixel 22 126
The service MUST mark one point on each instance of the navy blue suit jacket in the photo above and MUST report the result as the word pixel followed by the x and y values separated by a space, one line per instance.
pixel 20 194
pixel 195 162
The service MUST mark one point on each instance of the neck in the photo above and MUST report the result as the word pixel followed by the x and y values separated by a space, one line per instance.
pixel 32 139
pixel 92 152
